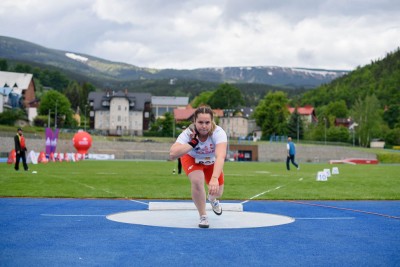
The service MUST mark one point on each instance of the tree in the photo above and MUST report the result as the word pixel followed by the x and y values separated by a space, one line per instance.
pixel 3 65
pixel 366 115
pixel 392 116
pixel 74 94
pixel 202 98
pixel 53 102
pixel 338 109
pixel 226 97
pixel 338 134
pixel 163 126
pixel 271 114
pixel 295 125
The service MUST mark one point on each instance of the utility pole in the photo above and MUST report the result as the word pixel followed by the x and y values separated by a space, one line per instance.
pixel 85 117
pixel 55 117
pixel 48 123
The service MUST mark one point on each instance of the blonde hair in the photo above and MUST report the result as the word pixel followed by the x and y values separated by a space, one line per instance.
pixel 205 110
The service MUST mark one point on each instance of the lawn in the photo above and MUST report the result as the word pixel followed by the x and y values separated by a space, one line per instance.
pixel 155 180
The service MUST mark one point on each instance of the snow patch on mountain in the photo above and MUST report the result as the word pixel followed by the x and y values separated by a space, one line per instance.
pixel 76 57
pixel 317 72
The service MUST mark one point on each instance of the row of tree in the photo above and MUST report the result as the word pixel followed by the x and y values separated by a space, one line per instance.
pixel 368 96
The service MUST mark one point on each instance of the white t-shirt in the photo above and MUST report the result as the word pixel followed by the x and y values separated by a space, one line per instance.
pixel 204 152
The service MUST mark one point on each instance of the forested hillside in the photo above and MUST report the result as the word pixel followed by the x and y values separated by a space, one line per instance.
pixel 369 96
pixel 381 78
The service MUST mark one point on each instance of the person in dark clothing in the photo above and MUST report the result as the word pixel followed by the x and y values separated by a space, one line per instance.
pixel 179 166
pixel 20 149
pixel 291 153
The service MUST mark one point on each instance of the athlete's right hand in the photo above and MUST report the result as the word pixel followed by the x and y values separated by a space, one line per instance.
pixel 194 141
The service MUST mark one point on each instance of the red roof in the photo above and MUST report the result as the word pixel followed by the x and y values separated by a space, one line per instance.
pixel 306 110
pixel 186 114
pixel 183 114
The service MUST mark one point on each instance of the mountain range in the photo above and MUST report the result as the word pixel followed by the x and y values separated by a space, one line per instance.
pixel 103 71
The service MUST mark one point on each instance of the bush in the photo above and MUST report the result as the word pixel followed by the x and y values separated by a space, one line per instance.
pixel 41 121
pixel 392 137
pixel 385 157
pixel 9 117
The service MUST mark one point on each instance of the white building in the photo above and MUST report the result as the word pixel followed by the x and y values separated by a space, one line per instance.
pixel 120 113
pixel 18 91
pixel 238 125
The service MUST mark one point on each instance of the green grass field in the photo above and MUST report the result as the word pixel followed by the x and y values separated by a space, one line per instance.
pixel 243 180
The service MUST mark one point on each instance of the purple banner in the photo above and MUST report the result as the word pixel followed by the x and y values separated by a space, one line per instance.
pixel 49 136
pixel 54 140
pixel 51 140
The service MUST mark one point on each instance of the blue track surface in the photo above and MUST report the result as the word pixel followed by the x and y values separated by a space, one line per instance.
pixel 74 232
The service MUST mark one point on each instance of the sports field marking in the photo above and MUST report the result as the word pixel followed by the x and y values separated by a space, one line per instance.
pixel 140 202
pixel 72 181
pixel 237 174
pixel 270 190
pixel 347 209
pixel 327 218
pixel 71 215
pixel 188 219
pixel 83 184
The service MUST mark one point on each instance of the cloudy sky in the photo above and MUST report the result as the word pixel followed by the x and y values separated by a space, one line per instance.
pixel 330 34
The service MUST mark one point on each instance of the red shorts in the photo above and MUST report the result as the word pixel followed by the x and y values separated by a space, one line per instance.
pixel 189 165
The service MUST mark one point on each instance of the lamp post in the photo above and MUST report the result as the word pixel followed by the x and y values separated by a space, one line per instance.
pixel 352 128
pixel 325 130
pixel 85 117
pixel 48 118
pixel 55 117
pixel 298 130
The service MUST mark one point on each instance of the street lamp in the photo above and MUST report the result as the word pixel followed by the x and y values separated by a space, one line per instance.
pixel 85 117
pixel 55 117
pixel 325 129
pixel 352 128
pixel 298 128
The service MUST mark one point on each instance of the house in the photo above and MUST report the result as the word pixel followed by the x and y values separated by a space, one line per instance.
pixel 120 113
pixel 307 114
pixel 345 122
pixel 238 124
pixel 163 104
pixel 18 91
pixel 184 114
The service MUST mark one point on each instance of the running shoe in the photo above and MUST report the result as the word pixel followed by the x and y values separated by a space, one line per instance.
pixel 203 222
pixel 216 207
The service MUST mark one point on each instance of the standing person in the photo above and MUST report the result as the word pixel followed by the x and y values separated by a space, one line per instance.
pixel 291 153
pixel 179 166
pixel 20 149
pixel 202 149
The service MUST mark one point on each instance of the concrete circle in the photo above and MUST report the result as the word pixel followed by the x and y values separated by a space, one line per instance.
pixel 190 219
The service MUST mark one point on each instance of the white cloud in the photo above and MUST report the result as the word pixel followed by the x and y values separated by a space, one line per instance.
pixel 333 34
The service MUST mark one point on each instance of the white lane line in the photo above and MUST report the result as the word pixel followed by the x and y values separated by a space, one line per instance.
pixel 270 190
pixel 140 202
pixel 327 218
pixel 262 193
pixel 72 215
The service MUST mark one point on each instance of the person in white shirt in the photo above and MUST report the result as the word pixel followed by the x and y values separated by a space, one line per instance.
pixel 202 149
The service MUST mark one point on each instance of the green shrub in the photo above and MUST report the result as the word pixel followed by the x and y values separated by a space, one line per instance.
pixel 386 157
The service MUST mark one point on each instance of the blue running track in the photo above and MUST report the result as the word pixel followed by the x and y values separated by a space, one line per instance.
pixel 76 232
